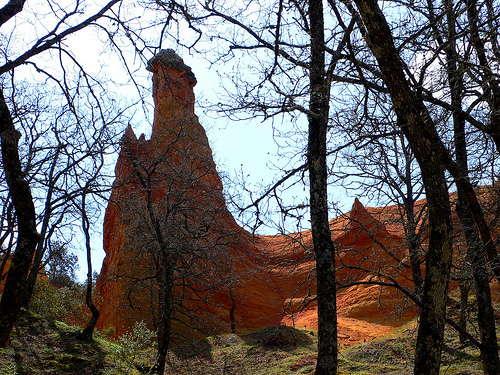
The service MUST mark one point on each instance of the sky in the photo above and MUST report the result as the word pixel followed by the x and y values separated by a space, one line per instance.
pixel 249 147
pixel 246 146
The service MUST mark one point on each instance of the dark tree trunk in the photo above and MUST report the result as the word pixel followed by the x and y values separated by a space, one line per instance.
pixel 433 310
pixel 88 332
pixel 164 330
pixel 475 250
pixel 485 313
pixel 485 316
pixel 464 310
pixel 417 126
pixel 89 329
pixel 231 312
pixel 27 236
pixel 324 249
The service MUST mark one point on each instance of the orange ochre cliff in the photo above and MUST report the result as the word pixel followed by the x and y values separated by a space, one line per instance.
pixel 167 207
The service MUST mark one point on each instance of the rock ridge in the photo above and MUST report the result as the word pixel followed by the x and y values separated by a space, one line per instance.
pixel 262 280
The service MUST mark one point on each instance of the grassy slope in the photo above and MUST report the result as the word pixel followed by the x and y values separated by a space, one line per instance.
pixel 41 346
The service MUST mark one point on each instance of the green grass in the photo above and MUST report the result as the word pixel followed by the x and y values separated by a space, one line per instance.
pixel 272 350
pixel 42 346
pixel 45 347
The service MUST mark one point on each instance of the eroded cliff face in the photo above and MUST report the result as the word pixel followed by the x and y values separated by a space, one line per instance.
pixel 167 199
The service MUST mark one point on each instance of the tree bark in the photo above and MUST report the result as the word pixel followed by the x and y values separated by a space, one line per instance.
pixel 231 312
pixel 485 313
pixel 89 329
pixel 417 126
pixel 27 236
pixel 324 249
pixel 164 329
pixel 464 310
pixel 475 250
pixel 10 9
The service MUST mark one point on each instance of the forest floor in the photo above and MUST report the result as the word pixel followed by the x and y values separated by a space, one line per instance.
pixel 42 346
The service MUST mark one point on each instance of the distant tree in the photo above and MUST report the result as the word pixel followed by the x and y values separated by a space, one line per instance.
pixel 59 303
pixel 61 265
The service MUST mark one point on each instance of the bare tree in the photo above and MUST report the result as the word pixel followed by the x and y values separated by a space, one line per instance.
pixel 382 167
pixel 168 217
pixel 66 21
pixel 27 236
pixel 314 102
pixel 381 43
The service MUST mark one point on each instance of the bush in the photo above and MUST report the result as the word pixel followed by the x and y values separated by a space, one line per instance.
pixel 66 304
pixel 130 352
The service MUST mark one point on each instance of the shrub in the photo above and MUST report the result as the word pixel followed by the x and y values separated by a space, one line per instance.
pixel 66 304
pixel 130 352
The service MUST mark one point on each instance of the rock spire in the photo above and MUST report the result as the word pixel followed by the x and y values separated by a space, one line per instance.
pixel 168 198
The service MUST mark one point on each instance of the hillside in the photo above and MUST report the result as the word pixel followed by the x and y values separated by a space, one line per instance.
pixel 42 346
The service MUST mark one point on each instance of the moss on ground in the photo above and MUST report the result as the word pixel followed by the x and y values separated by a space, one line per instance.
pixel 43 346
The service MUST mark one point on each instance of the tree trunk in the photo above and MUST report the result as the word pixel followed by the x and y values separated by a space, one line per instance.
pixel 464 310
pixel 89 329
pixel 324 249
pixel 417 126
pixel 164 330
pixel 475 250
pixel 231 312
pixel 485 313
pixel 27 236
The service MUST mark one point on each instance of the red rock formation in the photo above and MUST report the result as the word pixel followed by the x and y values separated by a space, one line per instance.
pixel 167 190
